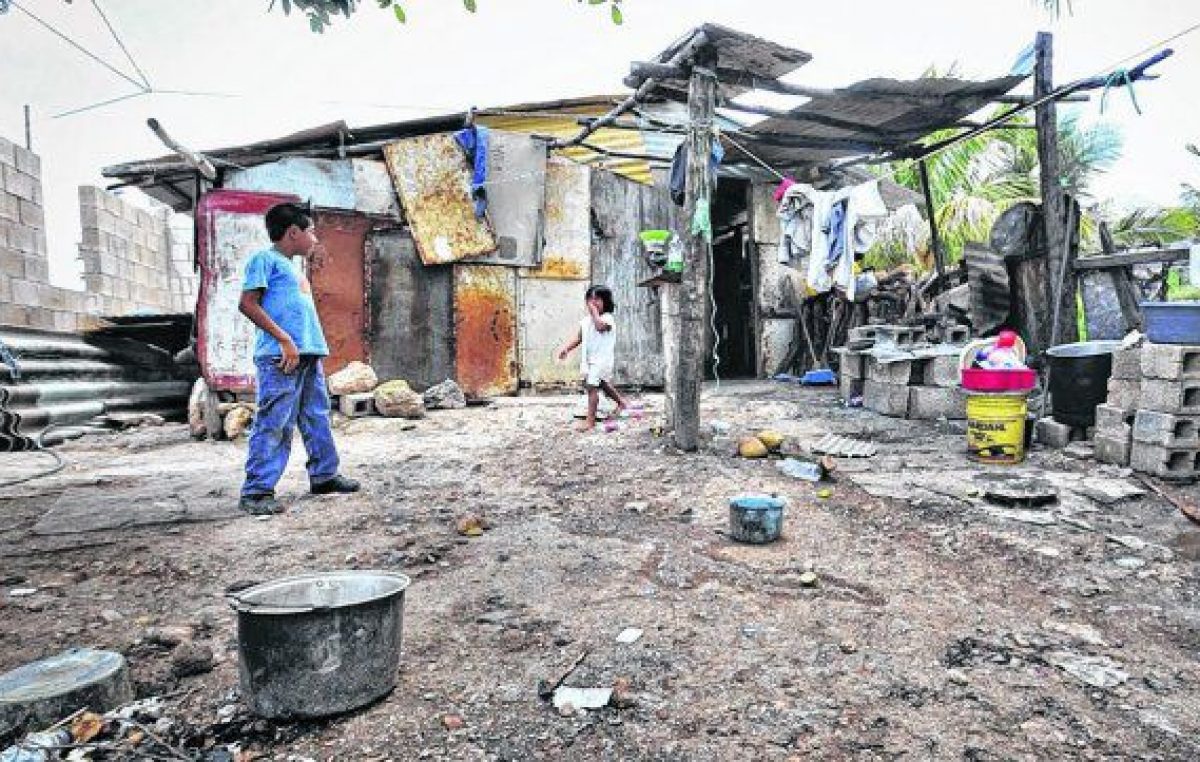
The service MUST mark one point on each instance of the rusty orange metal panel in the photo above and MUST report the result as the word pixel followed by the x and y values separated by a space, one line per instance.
pixel 567 250
pixel 433 181
pixel 338 272
pixel 485 328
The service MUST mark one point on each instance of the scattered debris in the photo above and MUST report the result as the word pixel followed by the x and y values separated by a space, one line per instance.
pixel 453 722
pixel 22 592
pixel 1040 518
pixel 825 493
pixel 772 440
pixel 1020 491
pixel 623 696
pixel 752 447
pixel 808 470
pixel 1186 505
pixel 1085 633
pixel 1096 671
pixel 355 377
pixel 471 525
pixel 843 447
pixel 445 396
pixel 629 635
pixel 191 659
pixel 808 579
pixel 581 698
pixel 237 421
pixel 546 688
pixel 396 399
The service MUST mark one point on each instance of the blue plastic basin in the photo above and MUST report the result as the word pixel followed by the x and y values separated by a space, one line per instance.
pixel 1172 322
pixel 756 519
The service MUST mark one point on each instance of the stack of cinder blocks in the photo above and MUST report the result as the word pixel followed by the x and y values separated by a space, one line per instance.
pixel 1114 419
pixel 924 386
pixel 1165 440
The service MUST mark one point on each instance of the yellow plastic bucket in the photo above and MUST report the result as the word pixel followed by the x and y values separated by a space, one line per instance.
pixel 996 427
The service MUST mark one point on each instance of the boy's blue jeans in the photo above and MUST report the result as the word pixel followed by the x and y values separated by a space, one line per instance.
pixel 285 401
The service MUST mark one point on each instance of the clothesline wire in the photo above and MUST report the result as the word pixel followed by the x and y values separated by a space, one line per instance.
pixel 121 43
pixel 49 27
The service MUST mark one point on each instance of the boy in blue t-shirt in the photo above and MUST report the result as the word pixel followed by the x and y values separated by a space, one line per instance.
pixel 277 298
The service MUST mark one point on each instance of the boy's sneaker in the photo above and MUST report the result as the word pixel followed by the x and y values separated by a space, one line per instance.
pixel 338 484
pixel 260 505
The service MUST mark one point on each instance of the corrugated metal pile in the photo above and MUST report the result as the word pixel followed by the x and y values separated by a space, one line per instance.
pixel 61 385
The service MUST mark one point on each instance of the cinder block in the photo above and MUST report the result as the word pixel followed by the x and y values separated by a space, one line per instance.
pixel 1052 433
pixel 357 405
pixel 26 292
pixel 1124 394
pixel 7 152
pixel 900 372
pixel 1170 362
pixel 10 206
pixel 19 184
pixel 943 371
pixel 950 334
pixel 12 263
pixel 1166 462
pixel 849 388
pixel 852 364
pixel 1166 430
pixel 13 314
pixel 1179 397
pixel 888 399
pixel 21 238
pixel 27 161
pixel 933 402
pixel 1111 419
pixel 1113 449
pixel 1127 364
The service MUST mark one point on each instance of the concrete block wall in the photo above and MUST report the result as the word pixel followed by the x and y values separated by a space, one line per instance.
pixel 133 259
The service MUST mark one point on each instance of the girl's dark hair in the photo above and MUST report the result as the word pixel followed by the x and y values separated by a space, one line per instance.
pixel 604 294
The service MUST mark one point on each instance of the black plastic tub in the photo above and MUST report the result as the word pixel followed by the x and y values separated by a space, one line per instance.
pixel 1079 379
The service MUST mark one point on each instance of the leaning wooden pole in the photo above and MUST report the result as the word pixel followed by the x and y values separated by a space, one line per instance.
pixel 1054 202
pixel 691 294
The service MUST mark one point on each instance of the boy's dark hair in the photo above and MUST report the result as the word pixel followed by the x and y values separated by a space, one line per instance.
pixel 604 294
pixel 282 216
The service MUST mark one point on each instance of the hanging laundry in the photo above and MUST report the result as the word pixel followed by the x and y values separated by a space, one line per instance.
pixel 678 182
pixel 781 189
pixel 474 142
pixel 829 228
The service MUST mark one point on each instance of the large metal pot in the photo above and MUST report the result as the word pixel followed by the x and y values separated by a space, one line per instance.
pixel 319 644
pixel 1079 379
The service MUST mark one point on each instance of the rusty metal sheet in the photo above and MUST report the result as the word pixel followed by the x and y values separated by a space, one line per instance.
pixel 338 273
pixel 432 178
pixel 485 329
pixel 567 247
pixel 412 318
pixel 550 312
pixel 516 191
pixel 229 228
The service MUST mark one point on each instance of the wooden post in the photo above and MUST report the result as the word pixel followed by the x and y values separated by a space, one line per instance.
pixel 691 294
pixel 1054 203
pixel 939 256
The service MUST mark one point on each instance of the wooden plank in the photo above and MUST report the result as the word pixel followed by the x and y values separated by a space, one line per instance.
pixel 1130 258
pixel 622 209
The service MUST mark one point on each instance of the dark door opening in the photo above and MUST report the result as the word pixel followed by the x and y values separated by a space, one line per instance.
pixel 731 328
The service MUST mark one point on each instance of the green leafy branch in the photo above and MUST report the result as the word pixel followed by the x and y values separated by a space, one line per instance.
pixel 320 13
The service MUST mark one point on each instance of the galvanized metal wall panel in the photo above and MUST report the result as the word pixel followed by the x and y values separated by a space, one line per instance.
pixel 567 247
pixel 412 316
pixel 621 210
pixel 229 226
pixel 338 274
pixel 325 182
pixel 432 178
pixel 485 329
pixel 549 316
pixel 373 189
pixel 516 191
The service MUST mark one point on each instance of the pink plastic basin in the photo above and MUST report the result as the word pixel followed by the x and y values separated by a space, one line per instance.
pixel 987 380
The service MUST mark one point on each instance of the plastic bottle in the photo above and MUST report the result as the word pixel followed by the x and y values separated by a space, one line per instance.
pixel 675 255
pixel 1002 355
pixel 36 747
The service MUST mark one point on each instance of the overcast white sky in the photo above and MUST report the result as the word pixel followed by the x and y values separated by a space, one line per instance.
pixel 371 69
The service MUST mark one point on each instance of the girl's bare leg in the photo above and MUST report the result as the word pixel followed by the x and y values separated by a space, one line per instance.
pixel 611 392
pixel 593 403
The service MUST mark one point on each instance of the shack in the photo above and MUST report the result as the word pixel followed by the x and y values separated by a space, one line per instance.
pixel 416 277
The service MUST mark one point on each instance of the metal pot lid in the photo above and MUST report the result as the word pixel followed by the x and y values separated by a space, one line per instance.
pixel 1084 349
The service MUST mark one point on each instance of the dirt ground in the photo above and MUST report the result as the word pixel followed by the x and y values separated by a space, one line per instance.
pixel 941 627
